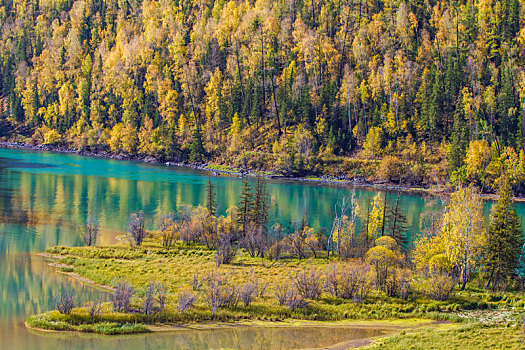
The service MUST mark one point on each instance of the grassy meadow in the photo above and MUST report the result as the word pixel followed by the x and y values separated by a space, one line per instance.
pixel 472 316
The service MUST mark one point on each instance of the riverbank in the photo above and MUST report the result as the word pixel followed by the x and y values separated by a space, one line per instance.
pixel 216 169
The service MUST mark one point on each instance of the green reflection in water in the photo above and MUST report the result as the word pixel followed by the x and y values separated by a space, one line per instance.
pixel 44 197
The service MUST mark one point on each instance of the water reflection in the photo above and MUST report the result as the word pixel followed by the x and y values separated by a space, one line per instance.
pixel 254 338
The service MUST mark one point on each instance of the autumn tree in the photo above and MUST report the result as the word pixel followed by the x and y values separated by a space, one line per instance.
pixel 463 233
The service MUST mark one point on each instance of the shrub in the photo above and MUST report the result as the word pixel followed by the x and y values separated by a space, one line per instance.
pixel 89 233
pixel 405 283
pixel 169 231
pixel 148 305
pixel 95 308
pixel 122 297
pixel 136 229
pixel 295 300
pixel 287 295
pixel 186 300
pixel 197 282
pixel 248 293
pixel 298 244
pixel 226 252
pixel 348 281
pixel 162 295
pixel 438 286
pixel 308 283
pixel 65 302
pixel 254 240
pixel 391 169
pixel 275 250
pixel 281 291
pixel 219 294
pixel 261 289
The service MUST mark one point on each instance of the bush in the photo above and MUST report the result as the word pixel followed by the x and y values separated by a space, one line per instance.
pixel 219 294
pixel 122 297
pixel 275 250
pixel 89 233
pixel 399 283
pixel 226 252
pixel 248 293
pixel 295 300
pixel 162 295
pixel 438 287
pixel 281 291
pixel 391 169
pixel 308 283
pixel 287 295
pixel 148 305
pixel 254 240
pixel 65 302
pixel 197 282
pixel 348 281
pixel 298 244
pixel 186 300
pixel 95 308
pixel 136 229
pixel 169 231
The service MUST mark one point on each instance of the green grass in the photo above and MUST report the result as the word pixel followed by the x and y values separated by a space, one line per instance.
pixel 461 337
pixel 81 322
pixel 176 267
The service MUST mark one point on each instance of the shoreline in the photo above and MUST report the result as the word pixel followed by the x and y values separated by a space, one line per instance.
pixel 393 325
pixel 442 190
pixel 322 180
pixel 387 328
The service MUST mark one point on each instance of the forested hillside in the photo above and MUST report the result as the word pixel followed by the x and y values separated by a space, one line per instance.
pixel 418 92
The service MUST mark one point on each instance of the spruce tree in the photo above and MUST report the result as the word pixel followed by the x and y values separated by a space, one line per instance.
pixel 196 147
pixel 260 204
pixel 245 207
pixel 211 204
pixel 397 225
pixel 505 239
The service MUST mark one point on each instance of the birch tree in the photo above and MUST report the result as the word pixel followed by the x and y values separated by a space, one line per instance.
pixel 464 233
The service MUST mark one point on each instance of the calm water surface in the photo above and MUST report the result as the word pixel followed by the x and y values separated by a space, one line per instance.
pixel 45 197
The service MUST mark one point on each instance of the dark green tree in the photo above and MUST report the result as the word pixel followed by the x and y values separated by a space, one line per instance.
pixel 245 207
pixel 197 151
pixel 211 203
pixel 505 240
pixel 260 204
pixel 396 225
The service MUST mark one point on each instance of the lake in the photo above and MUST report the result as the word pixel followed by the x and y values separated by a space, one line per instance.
pixel 45 197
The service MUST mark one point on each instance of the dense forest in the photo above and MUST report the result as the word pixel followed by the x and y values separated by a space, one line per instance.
pixel 422 92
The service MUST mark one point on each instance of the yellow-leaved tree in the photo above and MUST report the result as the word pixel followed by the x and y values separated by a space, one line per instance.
pixel 477 159
pixel 464 233
pixel 375 218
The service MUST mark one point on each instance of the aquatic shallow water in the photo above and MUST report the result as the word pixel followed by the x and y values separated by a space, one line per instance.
pixel 45 197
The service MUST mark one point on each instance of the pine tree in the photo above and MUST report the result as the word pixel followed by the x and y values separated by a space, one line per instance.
pixel 397 225
pixel 504 239
pixel 245 207
pixel 211 203
pixel 196 148
pixel 260 205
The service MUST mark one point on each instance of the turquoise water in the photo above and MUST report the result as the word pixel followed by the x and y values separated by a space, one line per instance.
pixel 45 197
